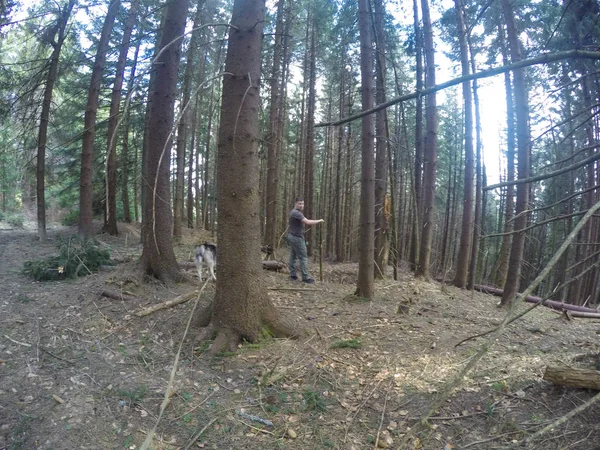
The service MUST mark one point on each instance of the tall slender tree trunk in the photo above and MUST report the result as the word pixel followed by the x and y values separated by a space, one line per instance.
pixel 125 149
pixel 466 235
pixel 273 143
pixel 184 123
pixel 501 269
pixel 110 224
pixel 418 161
pixel 57 42
pixel 430 160
pixel 511 287
pixel 89 124
pixel 365 285
pixel 158 257
pixel 381 150
pixel 309 152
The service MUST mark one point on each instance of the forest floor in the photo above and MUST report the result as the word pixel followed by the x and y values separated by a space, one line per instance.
pixel 82 371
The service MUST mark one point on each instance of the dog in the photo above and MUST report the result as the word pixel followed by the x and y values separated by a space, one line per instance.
pixel 206 254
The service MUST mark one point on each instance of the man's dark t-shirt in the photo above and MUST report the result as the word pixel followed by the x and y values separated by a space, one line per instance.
pixel 296 225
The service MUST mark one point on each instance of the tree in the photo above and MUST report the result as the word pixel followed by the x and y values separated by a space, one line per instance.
pixel 110 223
pixel 430 148
pixel 464 252
pixel 365 284
pixel 158 257
pixel 273 139
pixel 511 287
pixel 57 42
pixel 382 148
pixel 184 123
pixel 89 123
pixel 241 308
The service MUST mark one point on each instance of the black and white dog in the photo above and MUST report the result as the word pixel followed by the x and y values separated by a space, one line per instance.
pixel 206 254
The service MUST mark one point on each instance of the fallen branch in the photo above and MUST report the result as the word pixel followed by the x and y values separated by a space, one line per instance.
pixel 176 301
pixel 560 306
pixel 118 295
pixel 571 376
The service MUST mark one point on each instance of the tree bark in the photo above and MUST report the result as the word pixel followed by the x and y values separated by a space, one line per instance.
pixel 184 123
pixel 574 377
pixel 382 144
pixel 273 144
pixel 365 285
pixel 89 124
pixel 110 224
pixel 158 257
pixel 466 234
pixel 241 308
pixel 125 149
pixel 57 42
pixel 430 160
pixel 418 162
pixel 511 287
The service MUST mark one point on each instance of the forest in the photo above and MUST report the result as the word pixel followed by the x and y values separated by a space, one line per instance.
pixel 444 143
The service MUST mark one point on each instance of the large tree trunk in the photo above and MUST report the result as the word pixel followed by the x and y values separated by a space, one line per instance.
pixel 365 286
pixel 57 41
pixel 383 142
pixel 464 251
pixel 511 286
pixel 430 160
pixel 158 257
pixel 110 224
pixel 241 308
pixel 89 124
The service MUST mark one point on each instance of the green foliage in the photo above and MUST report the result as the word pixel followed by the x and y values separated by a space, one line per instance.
pixel 347 343
pixel 71 218
pixel 15 220
pixel 313 401
pixel 76 257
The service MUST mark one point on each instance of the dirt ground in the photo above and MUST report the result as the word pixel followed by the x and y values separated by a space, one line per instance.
pixel 81 371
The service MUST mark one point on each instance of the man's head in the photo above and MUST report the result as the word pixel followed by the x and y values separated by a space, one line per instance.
pixel 299 203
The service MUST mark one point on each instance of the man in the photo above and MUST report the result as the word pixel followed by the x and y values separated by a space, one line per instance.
pixel 297 243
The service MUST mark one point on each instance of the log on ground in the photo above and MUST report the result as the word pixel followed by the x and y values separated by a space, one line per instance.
pixel 574 377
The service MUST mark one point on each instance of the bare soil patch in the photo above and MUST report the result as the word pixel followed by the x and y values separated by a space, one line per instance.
pixel 82 371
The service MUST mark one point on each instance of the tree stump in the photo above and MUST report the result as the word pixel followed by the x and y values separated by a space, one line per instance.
pixel 575 377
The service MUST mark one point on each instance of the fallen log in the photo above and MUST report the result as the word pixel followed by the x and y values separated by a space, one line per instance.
pixel 176 301
pixel 560 306
pixel 574 377
pixel 273 265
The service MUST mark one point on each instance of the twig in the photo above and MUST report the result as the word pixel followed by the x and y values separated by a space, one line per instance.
pixel 55 356
pixel 169 391
pixel 382 415
pixel 176 301
pixel 198 405
pixel 293 289
pixel 196 436
pixel 24 344
pixel 491 438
